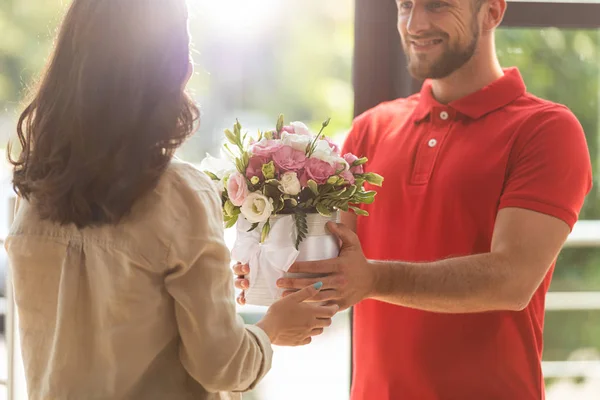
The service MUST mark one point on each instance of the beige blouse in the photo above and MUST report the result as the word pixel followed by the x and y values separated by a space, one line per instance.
pixel 142 310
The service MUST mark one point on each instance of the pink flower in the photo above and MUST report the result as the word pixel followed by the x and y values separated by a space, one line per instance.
pixel 348 176
pixel 317 170
pixel 333 146
pixel 288 129
pixel 288 159
pixel 255 167
pixel 237 188
pixel 266 148
pixel 350 158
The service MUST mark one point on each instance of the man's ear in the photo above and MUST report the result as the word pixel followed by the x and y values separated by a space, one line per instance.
pixel 493 14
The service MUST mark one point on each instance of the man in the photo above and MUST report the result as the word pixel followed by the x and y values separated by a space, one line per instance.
pixel 483 183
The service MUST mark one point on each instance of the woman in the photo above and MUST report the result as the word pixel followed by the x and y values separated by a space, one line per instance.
pixel 121 273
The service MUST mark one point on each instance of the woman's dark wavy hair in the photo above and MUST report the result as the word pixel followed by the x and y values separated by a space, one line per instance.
pixel 109 111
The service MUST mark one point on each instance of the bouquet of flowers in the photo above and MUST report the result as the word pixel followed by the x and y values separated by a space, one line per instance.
pixel 289 171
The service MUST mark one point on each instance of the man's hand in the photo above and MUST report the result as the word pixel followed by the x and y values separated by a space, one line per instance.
pixel 351 278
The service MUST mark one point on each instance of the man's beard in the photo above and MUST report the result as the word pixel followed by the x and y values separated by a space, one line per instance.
pixel 450 60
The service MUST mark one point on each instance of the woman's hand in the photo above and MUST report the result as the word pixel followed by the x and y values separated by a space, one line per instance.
pixel 293 322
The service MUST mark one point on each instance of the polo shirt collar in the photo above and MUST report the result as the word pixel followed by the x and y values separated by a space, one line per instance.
pixel 496 95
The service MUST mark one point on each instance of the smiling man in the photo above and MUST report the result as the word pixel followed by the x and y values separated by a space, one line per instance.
pixel 484 182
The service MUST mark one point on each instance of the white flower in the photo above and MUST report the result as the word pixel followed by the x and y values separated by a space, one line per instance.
pixel 297 142
pixel 324 152
pixel 218 166
pixel 300 128
pixel 257 208
pixel 289 184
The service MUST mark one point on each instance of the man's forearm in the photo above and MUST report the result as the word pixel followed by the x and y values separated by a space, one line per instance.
pixel 477 283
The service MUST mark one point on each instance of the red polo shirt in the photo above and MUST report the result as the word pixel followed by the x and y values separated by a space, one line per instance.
pixel 448 170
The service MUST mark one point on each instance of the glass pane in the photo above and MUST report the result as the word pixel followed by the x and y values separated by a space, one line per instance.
pixel 563 66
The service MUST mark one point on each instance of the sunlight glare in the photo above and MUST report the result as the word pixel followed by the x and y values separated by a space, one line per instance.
pixel 239 18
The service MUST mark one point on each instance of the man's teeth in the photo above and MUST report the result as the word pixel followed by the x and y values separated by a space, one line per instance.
pixel 427 42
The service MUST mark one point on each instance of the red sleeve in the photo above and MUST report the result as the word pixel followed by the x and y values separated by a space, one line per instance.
pixel 549 170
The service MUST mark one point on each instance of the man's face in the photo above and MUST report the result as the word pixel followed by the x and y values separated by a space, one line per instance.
pixel 438 36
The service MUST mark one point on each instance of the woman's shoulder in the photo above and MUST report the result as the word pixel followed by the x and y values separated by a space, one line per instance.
pixel 185 175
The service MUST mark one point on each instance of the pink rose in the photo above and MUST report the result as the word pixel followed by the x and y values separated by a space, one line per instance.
pixel 317 170
pixel 348 176
pixel 288 129
pixel 237 188
pixel 350 158
pixel 288 159
pixel 333 146
pixel 266 147
pixel 255 166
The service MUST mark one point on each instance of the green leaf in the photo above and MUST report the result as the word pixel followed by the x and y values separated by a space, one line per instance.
pixel 279 125
pixel 301 226
pixel 230 222
pixel 231 137
pixel 359 211
pixel 265 231
pixel 212 176
pixel 313 187
pixel 293 202
pixel 245 159
pixel 360 161
pixel 253 227
pixel 237 128
pixel 374 179
pixel 229 208
pixel 338 193
pixel 240 166
pixel 342 206
pixel 364 197
pixel 351 190
pixel 324 211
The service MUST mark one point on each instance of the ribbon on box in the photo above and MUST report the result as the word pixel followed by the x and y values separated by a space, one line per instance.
pixel 268 261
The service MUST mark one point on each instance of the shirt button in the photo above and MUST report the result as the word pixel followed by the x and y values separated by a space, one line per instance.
pixel 432 143
pixel 444 115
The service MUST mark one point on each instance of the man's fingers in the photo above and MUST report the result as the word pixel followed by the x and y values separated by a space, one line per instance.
pixel 316 332
pixel 305 341
pixel 322 296
pixel 241 269
pixel 300 283
pixel 326 295
pixel 345 234
pixel 323 323
pixel 328 311
pixel 242 283
pixel 315 267
pixel 304 294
